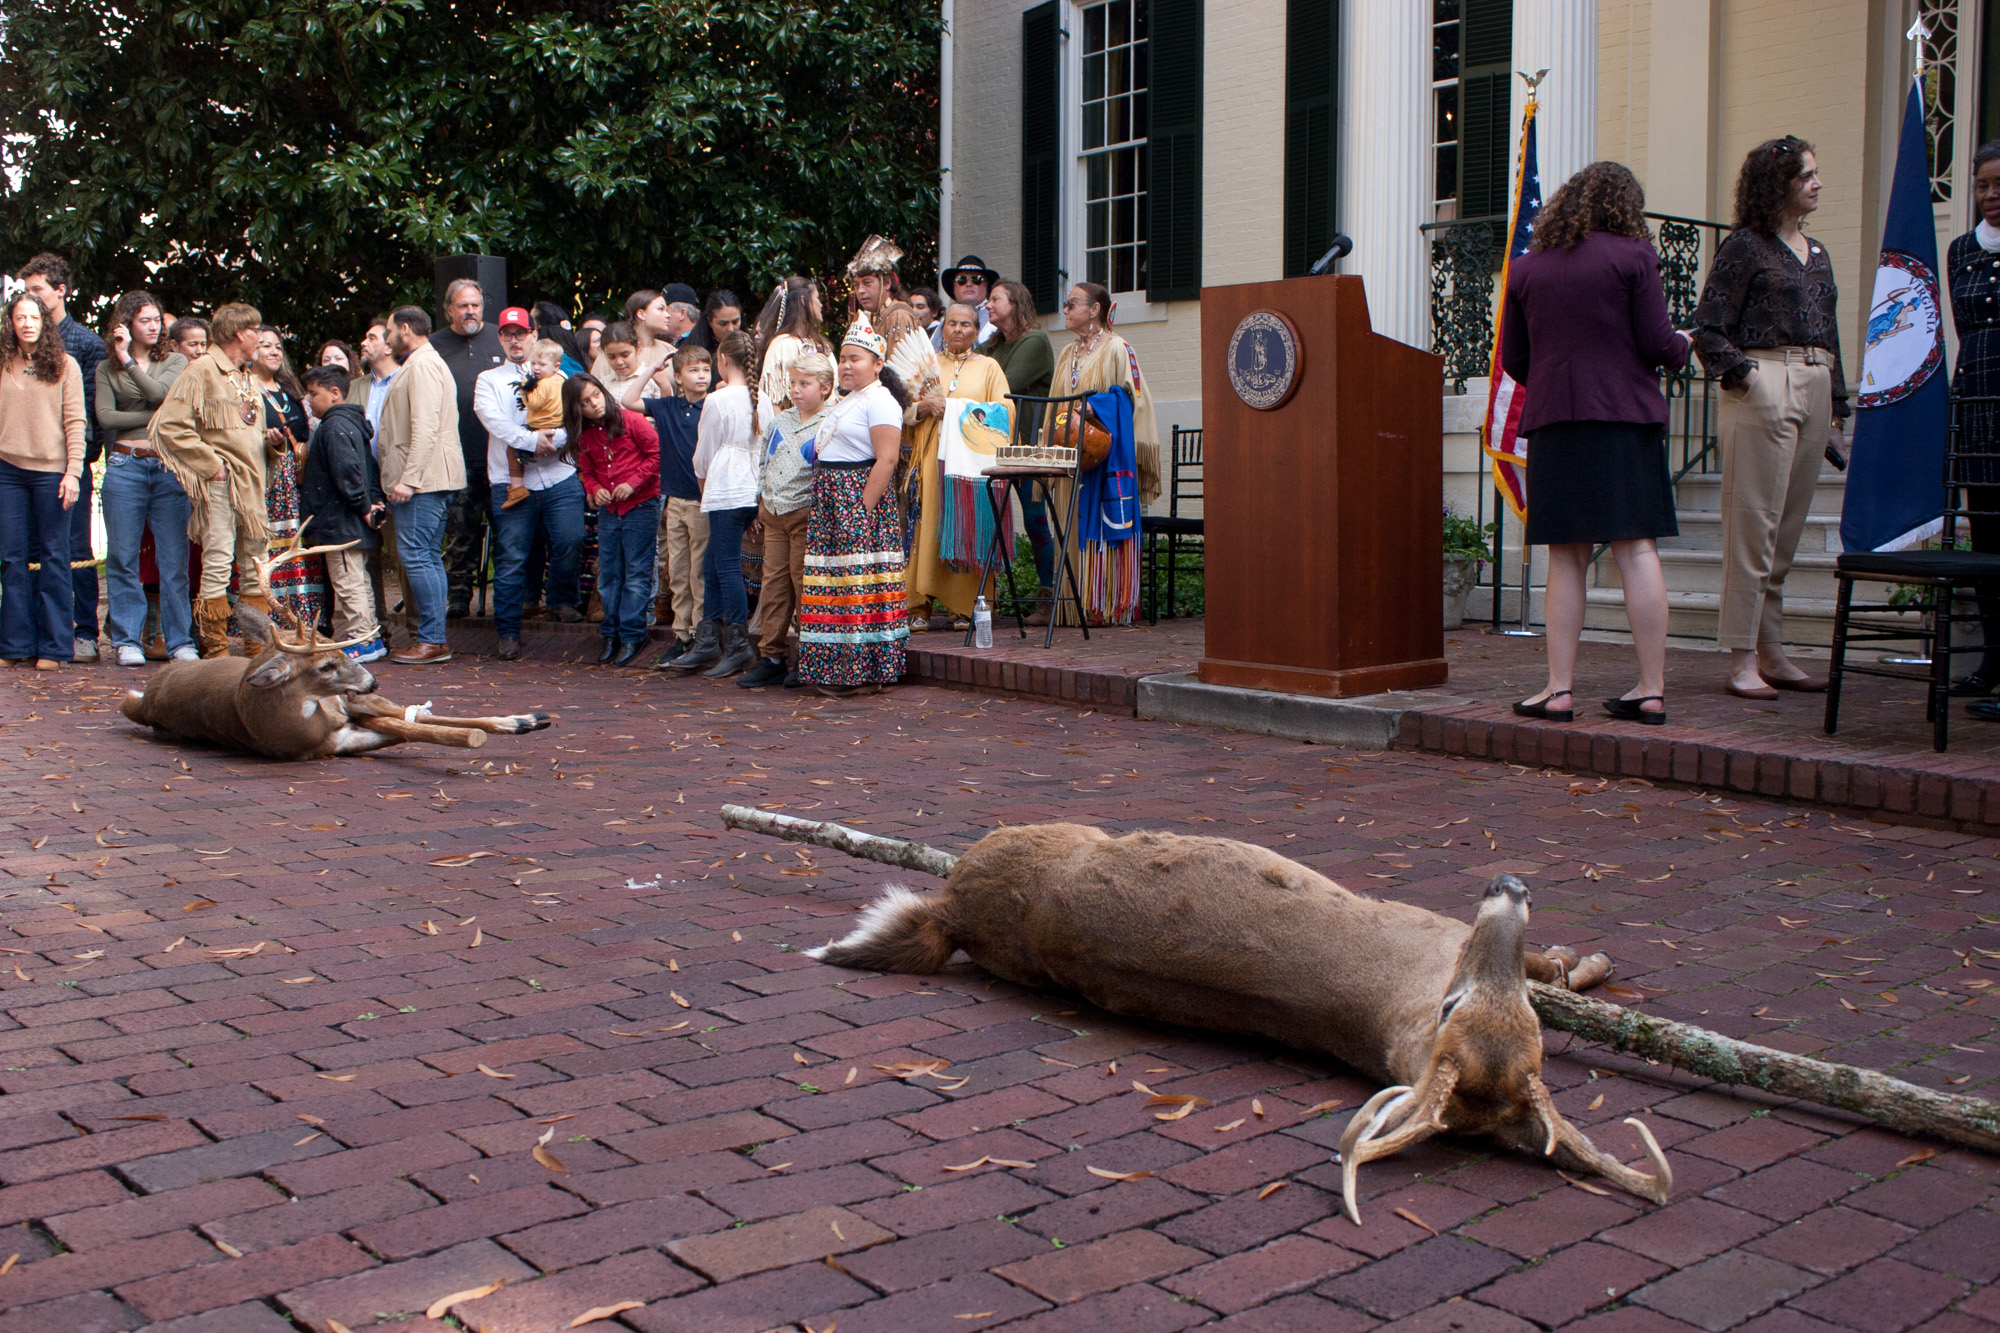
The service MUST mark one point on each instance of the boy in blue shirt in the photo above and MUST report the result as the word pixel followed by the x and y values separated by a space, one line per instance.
pixel 676 416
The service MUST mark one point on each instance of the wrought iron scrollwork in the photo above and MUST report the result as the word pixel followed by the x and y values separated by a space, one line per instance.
pixel 1464 259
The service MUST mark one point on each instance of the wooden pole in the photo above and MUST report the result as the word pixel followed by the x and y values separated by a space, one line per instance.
pixel 423 731
pixel 1904 1107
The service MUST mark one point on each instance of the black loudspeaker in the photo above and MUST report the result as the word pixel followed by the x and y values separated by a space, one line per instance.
pixel 489 271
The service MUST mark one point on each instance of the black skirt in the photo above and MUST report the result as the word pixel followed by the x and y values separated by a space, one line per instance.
pixel 1598 481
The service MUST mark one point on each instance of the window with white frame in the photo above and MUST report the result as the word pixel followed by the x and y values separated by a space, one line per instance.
pixel 1112 142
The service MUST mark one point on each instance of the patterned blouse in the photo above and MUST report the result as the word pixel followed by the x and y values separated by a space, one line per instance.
pixel 1758 295
pixel 1973 273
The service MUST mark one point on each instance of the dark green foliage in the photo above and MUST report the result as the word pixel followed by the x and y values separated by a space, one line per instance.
pixel 311 156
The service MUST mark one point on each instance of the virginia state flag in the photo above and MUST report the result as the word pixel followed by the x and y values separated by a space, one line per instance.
pixel 1895 480
pixel 1506 400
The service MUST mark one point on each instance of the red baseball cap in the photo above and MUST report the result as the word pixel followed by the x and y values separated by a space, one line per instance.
pixel 513 317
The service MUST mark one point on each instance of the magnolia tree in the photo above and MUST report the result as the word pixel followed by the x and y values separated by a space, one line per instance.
pixel 312 156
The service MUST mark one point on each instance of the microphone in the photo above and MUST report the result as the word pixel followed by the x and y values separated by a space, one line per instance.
pixel 1343 246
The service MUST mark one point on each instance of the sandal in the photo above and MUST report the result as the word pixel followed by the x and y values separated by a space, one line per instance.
pixel 1539 708
pixel 1628 710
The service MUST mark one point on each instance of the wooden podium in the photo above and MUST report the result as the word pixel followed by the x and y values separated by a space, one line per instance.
pixel 1322 514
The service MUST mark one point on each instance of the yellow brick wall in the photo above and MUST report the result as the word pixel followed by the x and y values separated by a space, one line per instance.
pixel 986 147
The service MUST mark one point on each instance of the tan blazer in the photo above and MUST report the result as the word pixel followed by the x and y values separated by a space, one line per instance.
pixel 417 438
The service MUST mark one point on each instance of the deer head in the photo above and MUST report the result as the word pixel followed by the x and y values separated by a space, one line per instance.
pixel 305 669
pixel 1484 1073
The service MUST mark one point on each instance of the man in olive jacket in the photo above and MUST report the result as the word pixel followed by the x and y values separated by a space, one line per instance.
pixel 422 465
pixel 340 491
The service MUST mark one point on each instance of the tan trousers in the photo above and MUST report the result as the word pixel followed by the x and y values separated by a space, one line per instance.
pixel 223 543
pixel 683 545
pixel 784 575
pixel 353 599
pixel 1773 437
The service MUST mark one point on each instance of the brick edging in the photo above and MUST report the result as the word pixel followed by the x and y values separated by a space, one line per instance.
pixel 1900 792
pixel 1112 691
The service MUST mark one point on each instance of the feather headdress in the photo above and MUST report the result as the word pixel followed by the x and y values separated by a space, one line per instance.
pixel 878 254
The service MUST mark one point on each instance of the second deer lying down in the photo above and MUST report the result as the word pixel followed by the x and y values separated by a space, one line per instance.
pixel 1210 933
pixel 296 698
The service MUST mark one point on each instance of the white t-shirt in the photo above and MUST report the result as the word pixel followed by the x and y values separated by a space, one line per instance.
pixel 845 435
pixel 725 457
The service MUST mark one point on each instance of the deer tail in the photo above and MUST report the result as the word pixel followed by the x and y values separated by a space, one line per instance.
pixel 902 931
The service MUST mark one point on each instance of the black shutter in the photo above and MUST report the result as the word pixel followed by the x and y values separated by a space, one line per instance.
pixel 1312 138
pixel 1041 154
pixel 1486 84
pixel 1173 148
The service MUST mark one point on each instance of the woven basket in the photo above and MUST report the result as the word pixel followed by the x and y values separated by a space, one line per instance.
pixel 1035 455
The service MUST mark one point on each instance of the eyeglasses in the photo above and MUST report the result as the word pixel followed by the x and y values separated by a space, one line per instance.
pixel 964 279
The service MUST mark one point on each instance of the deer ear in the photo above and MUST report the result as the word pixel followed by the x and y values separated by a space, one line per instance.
pixel 255 624
pixel 272 673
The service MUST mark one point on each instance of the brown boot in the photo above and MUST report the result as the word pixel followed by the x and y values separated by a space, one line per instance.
pixel 211 623
pixel 1045 600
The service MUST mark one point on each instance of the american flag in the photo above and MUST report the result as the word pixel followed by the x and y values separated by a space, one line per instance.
pixel 1506 400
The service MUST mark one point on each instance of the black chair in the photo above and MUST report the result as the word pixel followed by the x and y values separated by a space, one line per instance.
pixel 1949 578
pixel 1170 534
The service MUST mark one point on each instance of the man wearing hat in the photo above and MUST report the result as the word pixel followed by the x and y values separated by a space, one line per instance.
pixel 968 283
pixel 872 276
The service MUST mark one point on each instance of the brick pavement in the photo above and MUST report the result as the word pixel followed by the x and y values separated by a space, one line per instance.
pixel 245 1087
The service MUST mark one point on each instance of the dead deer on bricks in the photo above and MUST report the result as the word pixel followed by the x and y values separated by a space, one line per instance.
pixel 1211 933
pixel 296 698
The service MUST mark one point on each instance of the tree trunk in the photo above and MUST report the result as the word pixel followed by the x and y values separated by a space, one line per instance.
pixel 1900 1106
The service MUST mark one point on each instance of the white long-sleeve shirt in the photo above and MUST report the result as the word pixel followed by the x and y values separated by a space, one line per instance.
pixel 725 456
pixel 496 401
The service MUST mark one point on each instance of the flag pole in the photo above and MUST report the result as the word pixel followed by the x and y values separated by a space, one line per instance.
pixel 1521 630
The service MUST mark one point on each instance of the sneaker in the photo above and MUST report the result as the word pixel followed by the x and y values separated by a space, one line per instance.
pixel 186 653
pixel 83 650
pixel 131 655
pixel 372 651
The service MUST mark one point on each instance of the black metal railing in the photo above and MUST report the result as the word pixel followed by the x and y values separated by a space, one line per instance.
pixel 1465 262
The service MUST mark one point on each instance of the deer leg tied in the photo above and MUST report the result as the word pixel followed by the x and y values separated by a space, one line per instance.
pixel 433 733
pixel 507 724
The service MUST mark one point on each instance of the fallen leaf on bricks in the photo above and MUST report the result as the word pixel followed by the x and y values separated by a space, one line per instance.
pixel 673 965
pixel 175 945
pixel 311 1119
pixel 1183 1104
pixel 22 975
pixel 429 927
pixel 736 935
pixel 338 1078
pixel 1234 1124
pixel 1414 1220
pixel 597 1312
pixel 478 937
pixel 557 1119
pixel 1117 1175
pixel 800 1058
pixel 616 1033
pixel 850 1077
pixel 969 1166
pixel 675 1028
pixel 544 1156
pixel 7 1267
pixel 1272 1188
pixel 494 1073
pixel 442 1305
pixel 1595 1102
pixel 1920 1155
pixel 1846 1003
pixel 303 1142
pixel 297 981
pixel 196 906
pixel 457 862
pixel 228 1249
pixel 138 1117
pixel 779 1167
pixel 1257 1108
pixel 1008 1161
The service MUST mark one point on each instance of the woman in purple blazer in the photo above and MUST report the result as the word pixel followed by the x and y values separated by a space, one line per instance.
pixel 1586 335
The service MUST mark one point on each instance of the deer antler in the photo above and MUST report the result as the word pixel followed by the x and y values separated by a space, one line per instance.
pixel 1425 1117
pixel 310 645
pixel 1569 1146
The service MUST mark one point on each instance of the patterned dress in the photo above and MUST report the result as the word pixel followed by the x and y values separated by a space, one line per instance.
pixel 297 585
pixel 852 622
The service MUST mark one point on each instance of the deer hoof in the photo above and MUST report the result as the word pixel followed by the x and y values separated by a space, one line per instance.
pixel 1592 971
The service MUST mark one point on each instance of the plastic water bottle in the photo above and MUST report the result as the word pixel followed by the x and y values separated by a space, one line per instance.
pixel 982 624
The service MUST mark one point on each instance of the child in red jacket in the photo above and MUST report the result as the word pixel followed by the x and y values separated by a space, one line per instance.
pixel 618 458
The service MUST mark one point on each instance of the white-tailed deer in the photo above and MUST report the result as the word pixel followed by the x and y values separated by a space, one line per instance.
pixel 1210 933
pixel 298 698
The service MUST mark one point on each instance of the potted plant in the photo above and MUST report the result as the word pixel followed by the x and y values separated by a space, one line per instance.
pixel 1466 545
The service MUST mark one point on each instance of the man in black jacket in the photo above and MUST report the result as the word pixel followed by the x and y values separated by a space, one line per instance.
pixel 340 492
pixel 470 347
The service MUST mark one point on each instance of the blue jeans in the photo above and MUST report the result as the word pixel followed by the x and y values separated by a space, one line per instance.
pixel 140 493
pixel 727 600
pixel 627 546
pixel 1035 518
pixel 36 619
pixel 556 516
pixel 420 545
pixel 83 579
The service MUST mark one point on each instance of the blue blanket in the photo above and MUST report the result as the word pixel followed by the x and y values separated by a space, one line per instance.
pixel 1108 496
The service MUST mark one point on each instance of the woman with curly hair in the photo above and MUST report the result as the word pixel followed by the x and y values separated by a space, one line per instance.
pixel 1767 328
pixel 1585 331
pixel 42 416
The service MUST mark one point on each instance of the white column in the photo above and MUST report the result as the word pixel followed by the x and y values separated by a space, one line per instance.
pixel 947 115
pixel 1561 37
pixel 1386 162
